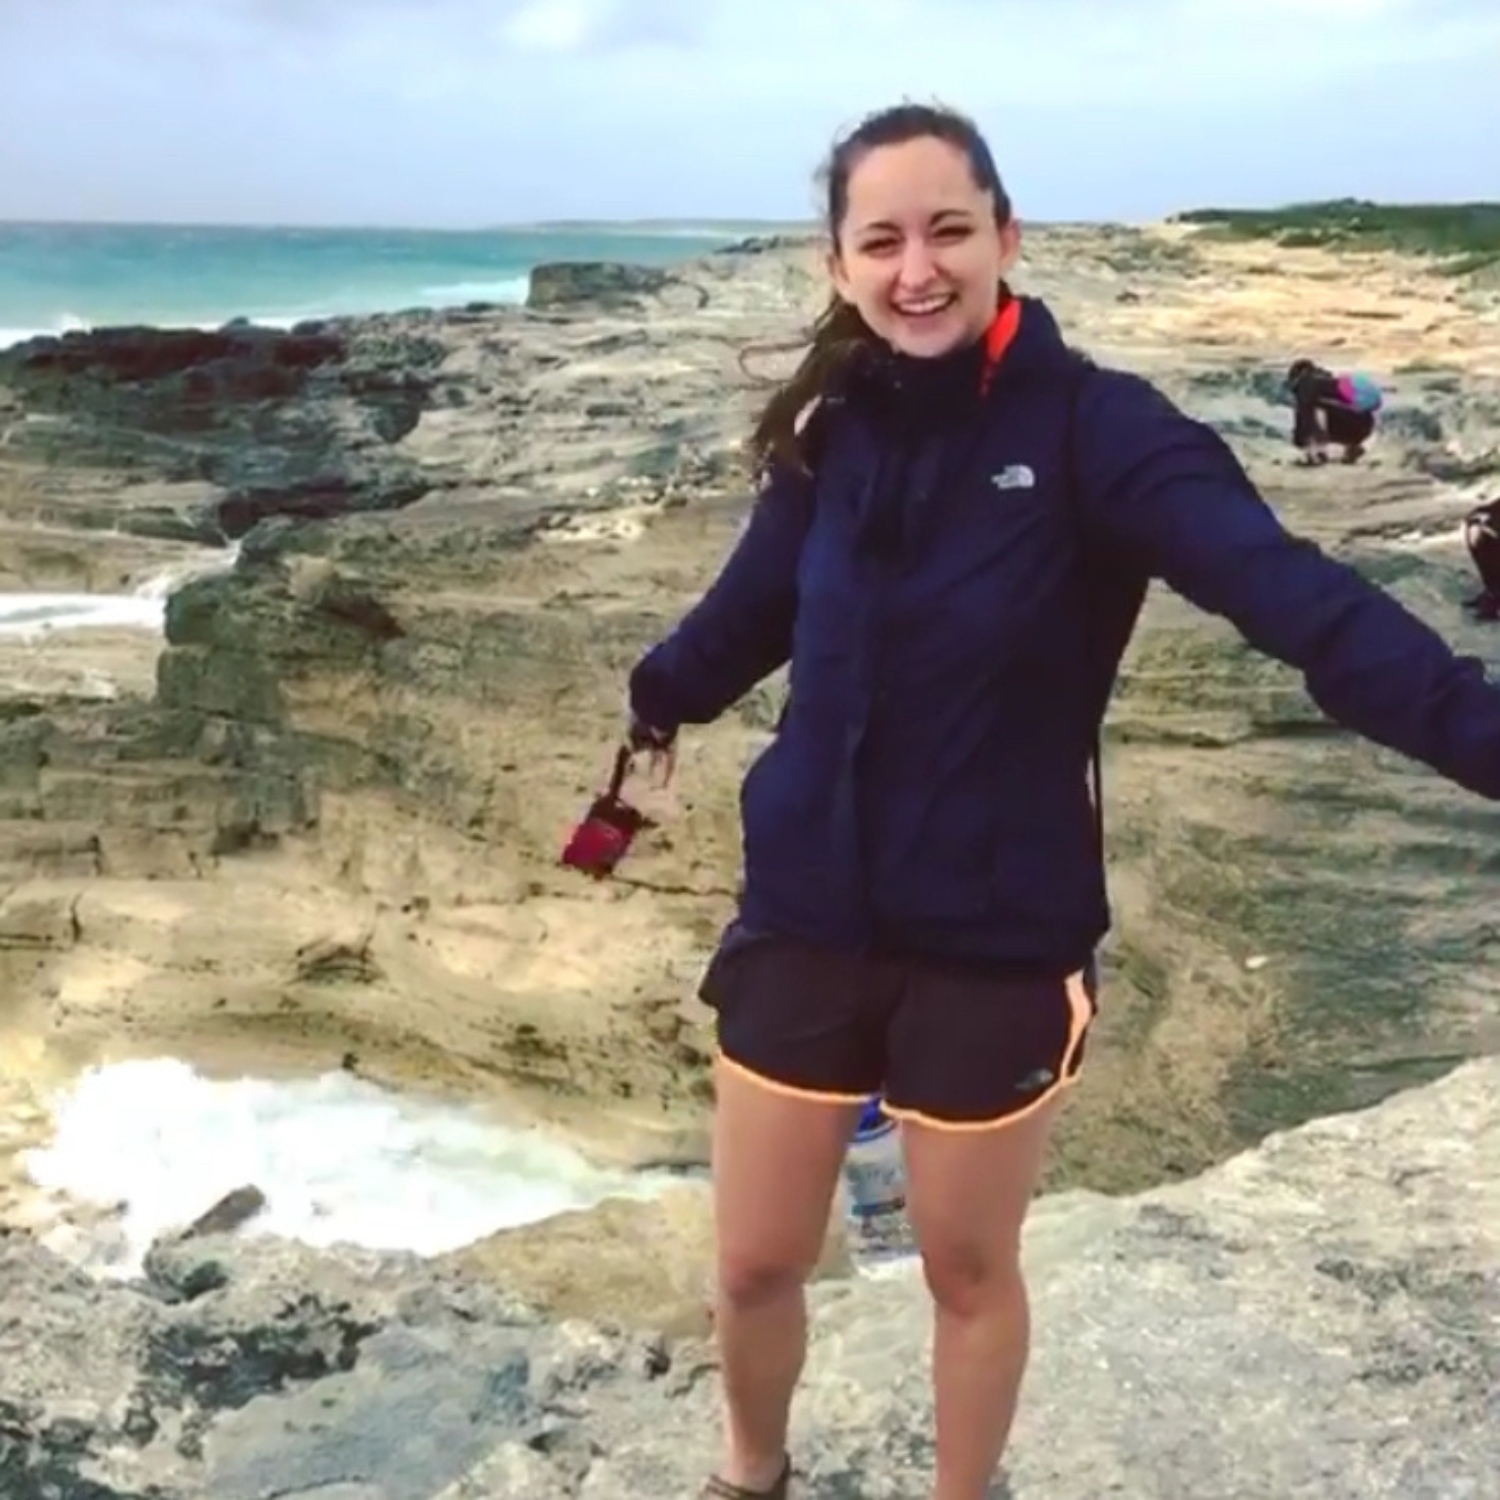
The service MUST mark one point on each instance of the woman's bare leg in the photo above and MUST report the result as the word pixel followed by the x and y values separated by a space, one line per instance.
pixel 969 1190
pixel 776 1160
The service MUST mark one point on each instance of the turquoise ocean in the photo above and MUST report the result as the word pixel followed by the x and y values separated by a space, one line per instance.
pixel 58 277
pixel 55 278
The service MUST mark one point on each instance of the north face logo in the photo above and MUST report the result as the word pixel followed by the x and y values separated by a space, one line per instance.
pixel 1034 1082
pixel 1014 477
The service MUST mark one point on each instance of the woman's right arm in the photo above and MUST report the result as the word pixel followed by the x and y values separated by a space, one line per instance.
pixel 1167 492
pixel 740 631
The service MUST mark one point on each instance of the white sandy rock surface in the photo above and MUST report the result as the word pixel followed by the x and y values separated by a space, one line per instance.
pixel 319 825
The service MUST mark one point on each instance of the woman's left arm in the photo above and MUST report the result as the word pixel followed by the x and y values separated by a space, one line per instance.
pixel 1168 492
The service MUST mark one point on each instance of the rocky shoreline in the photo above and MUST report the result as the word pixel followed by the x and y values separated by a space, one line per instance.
pixel 319 821
pixel 1311 1319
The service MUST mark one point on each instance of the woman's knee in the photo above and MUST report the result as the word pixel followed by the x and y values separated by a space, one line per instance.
pixel 969 1194
pixel 749 1278
pixel 776 1163
pixel 968 1276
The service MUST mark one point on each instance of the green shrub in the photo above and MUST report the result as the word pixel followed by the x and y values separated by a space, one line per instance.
pixel 1465 235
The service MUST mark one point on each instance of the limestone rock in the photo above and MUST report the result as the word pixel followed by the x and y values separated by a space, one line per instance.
pixel 234 1209
pixel 648 1265
pixel 1311 1320
pixel 597 283
pixel 323 817
pixel 294 423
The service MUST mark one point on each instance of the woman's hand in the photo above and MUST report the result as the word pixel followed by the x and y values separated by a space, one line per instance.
pixel 659 746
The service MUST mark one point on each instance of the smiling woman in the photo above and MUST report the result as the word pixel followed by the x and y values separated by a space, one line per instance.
pixel 928 239
pixel 925 237
pixel 958 520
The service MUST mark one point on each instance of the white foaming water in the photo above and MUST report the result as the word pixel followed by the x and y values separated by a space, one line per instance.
pixel 31 615
pixel 36 614
pixel 65 323
pixel 57 278
pixel 338 1159
pixel 510 289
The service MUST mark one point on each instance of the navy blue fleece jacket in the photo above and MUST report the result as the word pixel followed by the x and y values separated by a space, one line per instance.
pixel 953 639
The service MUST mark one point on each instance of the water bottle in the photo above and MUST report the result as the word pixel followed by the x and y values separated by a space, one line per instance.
pixel 875 1179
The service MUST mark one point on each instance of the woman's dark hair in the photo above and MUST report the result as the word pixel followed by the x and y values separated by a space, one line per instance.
pixel 839 331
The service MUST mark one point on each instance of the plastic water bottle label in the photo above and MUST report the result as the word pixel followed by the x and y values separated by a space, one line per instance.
pixel 876 1179
pixel 875 1185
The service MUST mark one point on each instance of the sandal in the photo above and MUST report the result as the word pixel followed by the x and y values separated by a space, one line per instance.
pixel 721 1489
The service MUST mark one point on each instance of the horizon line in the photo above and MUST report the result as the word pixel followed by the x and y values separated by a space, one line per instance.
pixel 374 226
pixel 713 222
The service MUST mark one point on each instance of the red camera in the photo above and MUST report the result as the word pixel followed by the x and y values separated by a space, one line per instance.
pixel 602 839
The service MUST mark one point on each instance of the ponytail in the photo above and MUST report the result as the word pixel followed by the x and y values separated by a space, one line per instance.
pixel 837 335
pixel 839 332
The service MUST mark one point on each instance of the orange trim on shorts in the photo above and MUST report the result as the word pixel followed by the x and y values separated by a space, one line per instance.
pixel 787 1090
pixel 1080 1014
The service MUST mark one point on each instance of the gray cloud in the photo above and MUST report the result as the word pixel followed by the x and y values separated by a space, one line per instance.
pixel 655 23
pixel 482 27
pixel 465 111
pixel 603 25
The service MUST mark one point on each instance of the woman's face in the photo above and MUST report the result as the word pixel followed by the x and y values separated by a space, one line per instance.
pixel 919 253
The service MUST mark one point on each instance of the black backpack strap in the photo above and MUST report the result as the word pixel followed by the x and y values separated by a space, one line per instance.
pixel 1078 374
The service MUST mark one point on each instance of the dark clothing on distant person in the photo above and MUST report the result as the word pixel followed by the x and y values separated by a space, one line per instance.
pixel 1316 394
pixel 1482 538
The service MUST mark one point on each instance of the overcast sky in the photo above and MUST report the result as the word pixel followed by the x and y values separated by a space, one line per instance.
pixel 473 112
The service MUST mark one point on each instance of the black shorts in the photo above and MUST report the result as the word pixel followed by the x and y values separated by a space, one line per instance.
pixel 1346 425
pixel 945 1046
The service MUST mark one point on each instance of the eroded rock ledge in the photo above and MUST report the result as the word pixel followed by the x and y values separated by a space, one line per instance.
pixel 1312 1320
pixel 330 823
